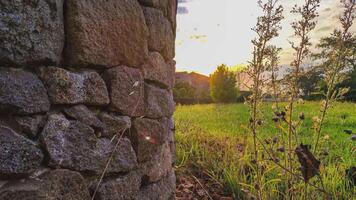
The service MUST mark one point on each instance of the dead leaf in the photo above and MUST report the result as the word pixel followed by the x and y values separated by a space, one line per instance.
pixel 309 164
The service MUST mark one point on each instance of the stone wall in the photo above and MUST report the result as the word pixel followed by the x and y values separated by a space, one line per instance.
pixel 83 82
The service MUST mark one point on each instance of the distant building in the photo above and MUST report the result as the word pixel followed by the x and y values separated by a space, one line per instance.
pixel 199 82
pixel 244 82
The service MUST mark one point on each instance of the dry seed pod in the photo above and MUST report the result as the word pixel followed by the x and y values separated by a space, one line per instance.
pixel 301 116
pixel 281 149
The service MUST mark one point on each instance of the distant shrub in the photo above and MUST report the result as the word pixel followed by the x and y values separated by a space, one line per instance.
pixel 242 96
pixel 223 85
pixel 314 97
pixel 186 94
pixel 183 92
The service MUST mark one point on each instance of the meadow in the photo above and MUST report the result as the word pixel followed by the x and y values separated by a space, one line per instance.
pixel 214 139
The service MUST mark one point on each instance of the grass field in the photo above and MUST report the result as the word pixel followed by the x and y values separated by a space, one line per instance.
pixel 214 139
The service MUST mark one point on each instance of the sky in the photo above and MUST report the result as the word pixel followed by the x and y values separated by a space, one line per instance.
pixel 213 32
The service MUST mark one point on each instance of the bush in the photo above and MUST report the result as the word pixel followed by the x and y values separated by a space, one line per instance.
pixel 186 94
pixel 314 97
pixel 242 96
pixel 222 85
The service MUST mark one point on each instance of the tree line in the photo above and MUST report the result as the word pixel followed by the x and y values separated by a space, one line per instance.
pixel 312 83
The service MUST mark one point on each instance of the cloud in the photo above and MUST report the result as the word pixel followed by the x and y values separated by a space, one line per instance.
pixel 182 10
pixel 328 20
pixel 211 32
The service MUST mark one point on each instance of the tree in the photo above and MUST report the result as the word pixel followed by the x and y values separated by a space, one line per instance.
pixel 184 93
pixel 337 55
pixel 223 85
pixel 310 82
pixel 350 83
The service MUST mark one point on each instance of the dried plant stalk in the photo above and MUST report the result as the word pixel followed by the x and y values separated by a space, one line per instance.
pixel 267 28
pixel 302 29
pixel 336 51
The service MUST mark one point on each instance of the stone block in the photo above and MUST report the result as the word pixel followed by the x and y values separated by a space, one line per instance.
pixel 73 145
pixel 66 87
pixel 22 92
pixel 162 190
pixel 158 71
pixel 158 102
pixel 84 115
pixel 161 37
pixel 168 7
pixel 114 124
pixel 18 156
pixel 126 87
pixel 147 137
pixel 30 125
pixel 159 166
pixel 105 33
pixel 57 184
pixel 31 32
pixel 124 187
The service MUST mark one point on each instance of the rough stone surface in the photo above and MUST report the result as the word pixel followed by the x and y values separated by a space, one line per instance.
pixel 122 188
pixel 168 7
pixel 171 138
pixel 161 36
pixel 114 124
pixel 105 33
pixel 71 79
pixel 30 125
pixel 31 31
pixel 18 156
pixel 22 92
pixel 162 190
pixel 157 70
pixel 65 87
pixel 147 137
pixel 84 115
pixel 160 165
pixel 57 184
pixel 73 145
pixel 158 102
pixel 126 90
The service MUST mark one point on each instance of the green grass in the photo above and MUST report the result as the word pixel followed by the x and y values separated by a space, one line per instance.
pixel 214 138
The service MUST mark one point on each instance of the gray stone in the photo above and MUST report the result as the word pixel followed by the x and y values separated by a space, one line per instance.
pixel 114 124
pixel 162 190
pixel 30 125
pixel 171 124
pixel 18 156
pixel 159 166
pixel 84 115
pixel 65 87
pixel 121 188
pixel 22 92
pixel 353 138
pixel 159 71
pixel 161 36
pixel 31 32
pixel 105 33
pixel 57 184
pixel 167 123
pixel 168 7
pixel 126 90
pixel 147 137
pixel 158 102
pixel 170 138
pixel 73 145
pixel 172 146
